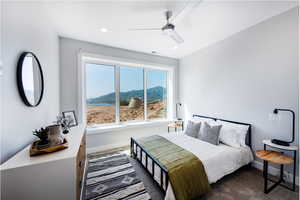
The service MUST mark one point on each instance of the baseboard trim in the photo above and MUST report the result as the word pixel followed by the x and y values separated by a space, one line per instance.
pixel 276 172
pixel 106 147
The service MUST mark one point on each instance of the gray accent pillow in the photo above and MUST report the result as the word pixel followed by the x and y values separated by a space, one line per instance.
pixel 192 129
pixel 210 133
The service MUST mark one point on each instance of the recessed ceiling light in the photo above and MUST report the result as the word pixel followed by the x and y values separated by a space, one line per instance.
pixel 104 30
pixel 175 47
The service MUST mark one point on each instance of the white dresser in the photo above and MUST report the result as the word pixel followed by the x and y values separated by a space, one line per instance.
pixel 54 176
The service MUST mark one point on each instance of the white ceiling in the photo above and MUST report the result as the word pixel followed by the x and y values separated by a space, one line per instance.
pixel 205 24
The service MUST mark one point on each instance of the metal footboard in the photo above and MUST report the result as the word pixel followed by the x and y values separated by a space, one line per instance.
pixel 150 164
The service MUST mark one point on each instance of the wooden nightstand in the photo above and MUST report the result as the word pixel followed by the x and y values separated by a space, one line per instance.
pixel 175 125
pixel 277 158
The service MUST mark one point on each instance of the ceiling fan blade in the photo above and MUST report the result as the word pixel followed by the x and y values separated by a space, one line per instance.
pixel 144 29
pixel 188 7
pixel 174 35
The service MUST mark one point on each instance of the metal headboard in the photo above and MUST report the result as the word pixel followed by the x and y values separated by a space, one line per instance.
pixel 248 137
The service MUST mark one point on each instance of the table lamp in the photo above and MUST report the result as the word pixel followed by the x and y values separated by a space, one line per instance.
pixel 178 105
pixel 281 142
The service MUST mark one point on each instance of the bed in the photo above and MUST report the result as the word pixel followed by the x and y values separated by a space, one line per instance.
pixel 218 160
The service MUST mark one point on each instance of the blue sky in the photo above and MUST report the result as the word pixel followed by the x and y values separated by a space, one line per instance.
pixel 100 79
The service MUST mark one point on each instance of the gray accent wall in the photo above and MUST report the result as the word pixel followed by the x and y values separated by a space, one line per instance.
pixel 244 77
pixel 26 28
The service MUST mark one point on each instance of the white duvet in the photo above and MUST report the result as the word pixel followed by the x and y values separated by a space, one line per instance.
pixel 218 160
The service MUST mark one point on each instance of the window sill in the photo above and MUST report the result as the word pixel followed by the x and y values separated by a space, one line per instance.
pixel 121 127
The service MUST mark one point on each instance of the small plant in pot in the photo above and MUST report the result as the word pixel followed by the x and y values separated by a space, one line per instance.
pixel 42 134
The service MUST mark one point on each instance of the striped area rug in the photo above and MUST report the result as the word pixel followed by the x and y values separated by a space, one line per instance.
pixel 113 177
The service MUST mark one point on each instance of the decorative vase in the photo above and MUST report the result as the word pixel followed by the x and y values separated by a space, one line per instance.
pixel 55 135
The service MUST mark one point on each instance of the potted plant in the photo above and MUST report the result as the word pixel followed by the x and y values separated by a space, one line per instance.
pixel 42 134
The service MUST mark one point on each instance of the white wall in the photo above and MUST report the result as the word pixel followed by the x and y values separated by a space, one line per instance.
pixel 1 77
pixel 243 78
pixel 69 50
pixel 121 138
pixel 26 28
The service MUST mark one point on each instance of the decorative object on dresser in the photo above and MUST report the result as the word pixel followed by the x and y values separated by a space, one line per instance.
pixel 30 79
pixel 278 158
pixel 51 140
pixel 58 175
pixel 36 150
pixel 281 142
pixel 71 116
pixel 66 122
pixel 42 134
pixel 176 124
pixel 55 135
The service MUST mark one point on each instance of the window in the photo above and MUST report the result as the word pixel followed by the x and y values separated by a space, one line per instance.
pixel 156 94
pixel 131 94
pixel 100 93
pixel 119 94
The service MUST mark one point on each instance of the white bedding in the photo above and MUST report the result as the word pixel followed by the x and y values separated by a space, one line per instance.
pixel 218 160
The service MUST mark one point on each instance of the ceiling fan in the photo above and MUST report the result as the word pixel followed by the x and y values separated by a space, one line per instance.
pixel 168 29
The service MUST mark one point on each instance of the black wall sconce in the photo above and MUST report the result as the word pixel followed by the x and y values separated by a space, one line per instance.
pixel 281 142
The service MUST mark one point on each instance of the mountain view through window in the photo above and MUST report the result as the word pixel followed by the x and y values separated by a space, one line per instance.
pixel 117 93
pixel 100 92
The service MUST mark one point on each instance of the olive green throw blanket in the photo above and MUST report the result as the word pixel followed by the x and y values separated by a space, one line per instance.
pixel 186 172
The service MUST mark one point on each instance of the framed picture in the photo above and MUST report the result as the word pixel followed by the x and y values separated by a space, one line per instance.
pixel 71 116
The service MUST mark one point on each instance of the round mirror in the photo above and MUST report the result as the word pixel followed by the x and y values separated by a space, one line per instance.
pixel 30 79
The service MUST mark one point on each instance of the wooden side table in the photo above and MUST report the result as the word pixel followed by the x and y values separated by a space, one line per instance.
pixel 277 158
pixel 175 125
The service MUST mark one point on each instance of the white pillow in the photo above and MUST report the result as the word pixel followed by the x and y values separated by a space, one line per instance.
pixel 233 134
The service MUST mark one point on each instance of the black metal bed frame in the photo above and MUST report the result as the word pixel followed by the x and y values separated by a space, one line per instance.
pixel 137 152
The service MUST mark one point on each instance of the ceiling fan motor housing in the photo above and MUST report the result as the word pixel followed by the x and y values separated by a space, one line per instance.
pixel 167 27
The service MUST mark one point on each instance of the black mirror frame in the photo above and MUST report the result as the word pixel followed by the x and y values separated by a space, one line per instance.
pixel 20 80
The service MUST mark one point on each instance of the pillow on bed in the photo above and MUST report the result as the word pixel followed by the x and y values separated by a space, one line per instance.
pixel 202 120
pixel 233 134
pixel 210 133
pixel 192 128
